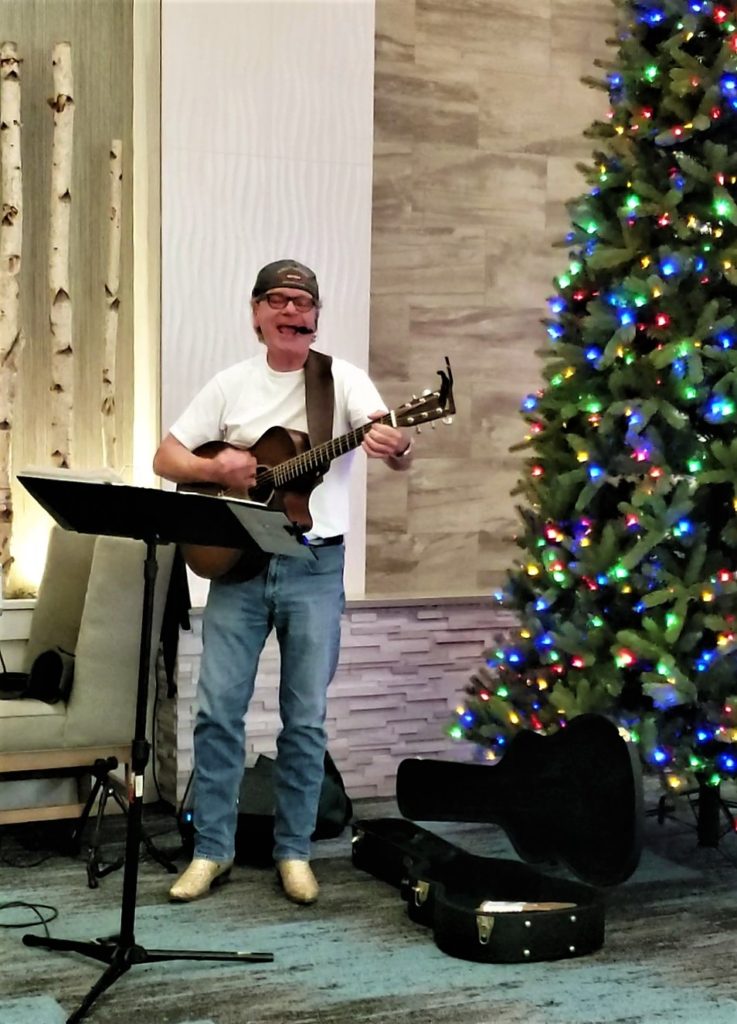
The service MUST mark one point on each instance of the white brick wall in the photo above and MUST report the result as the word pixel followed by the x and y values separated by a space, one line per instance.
pixel 402 668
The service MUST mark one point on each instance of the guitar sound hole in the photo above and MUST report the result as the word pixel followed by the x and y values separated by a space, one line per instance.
pixel 262 492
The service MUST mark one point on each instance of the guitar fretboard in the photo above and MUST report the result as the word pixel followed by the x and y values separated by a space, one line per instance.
pixel 316 458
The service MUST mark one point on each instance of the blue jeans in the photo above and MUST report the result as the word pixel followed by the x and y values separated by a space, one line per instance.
pixel 303 599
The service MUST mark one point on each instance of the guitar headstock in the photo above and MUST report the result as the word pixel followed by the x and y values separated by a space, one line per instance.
pixel 430 405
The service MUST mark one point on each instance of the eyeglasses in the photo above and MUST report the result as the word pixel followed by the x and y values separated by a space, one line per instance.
pixel 277 300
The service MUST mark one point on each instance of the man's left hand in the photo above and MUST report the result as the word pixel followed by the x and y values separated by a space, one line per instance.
pixel 384 441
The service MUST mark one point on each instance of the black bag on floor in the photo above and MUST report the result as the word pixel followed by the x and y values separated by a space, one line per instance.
pixel 254 838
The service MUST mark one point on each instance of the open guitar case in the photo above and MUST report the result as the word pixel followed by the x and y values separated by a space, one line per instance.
pixel 574 798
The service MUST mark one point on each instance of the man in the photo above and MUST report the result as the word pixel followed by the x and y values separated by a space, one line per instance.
pixel 301 598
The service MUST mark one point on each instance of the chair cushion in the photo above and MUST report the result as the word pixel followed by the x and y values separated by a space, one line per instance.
pixel 102 704
pixel 31 725
pixel 61 594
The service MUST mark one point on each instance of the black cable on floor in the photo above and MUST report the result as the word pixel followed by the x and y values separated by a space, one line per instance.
pixel 36 908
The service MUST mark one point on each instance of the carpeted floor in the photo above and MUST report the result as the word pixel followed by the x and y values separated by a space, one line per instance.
pixel 355 956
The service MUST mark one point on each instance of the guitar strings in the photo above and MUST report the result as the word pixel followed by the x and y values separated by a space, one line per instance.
pixel 313 458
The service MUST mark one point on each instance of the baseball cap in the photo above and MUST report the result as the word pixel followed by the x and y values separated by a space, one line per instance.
pixel 286 274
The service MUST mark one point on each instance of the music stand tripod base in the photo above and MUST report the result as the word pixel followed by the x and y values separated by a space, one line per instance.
pixel 154 517
pixel 121 957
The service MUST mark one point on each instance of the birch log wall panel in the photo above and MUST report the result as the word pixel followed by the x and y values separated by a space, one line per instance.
pixel 112 302
pixel 11 242
pixel 477 127
pixel 101 36
pixel 60 301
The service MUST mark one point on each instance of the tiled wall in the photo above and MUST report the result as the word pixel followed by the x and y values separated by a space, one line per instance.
pixel 478 122
pixel 401 671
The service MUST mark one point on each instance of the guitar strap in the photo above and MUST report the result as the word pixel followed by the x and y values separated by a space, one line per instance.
pixel 319 397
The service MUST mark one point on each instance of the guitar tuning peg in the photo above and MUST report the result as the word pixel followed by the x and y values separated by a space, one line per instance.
pixel 432 425
pixel 426 392
pixel 447 419
pixel 414 398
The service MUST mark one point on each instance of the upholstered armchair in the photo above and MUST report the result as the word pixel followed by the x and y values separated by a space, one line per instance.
pixel 89 604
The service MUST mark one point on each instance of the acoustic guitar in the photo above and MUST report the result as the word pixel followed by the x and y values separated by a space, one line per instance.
pixel 288 470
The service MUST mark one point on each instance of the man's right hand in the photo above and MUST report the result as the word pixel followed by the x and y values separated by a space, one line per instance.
pixel 230 469
pixel 234 469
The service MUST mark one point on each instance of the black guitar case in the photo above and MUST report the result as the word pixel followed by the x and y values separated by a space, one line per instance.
pixel 574 798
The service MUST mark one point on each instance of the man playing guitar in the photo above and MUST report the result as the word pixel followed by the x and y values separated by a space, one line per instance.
pixel 302 599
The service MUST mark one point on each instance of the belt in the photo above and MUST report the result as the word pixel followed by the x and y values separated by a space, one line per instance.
pixel 326 542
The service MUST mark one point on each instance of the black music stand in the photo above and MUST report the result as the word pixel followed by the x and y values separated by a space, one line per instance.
pixel 155 517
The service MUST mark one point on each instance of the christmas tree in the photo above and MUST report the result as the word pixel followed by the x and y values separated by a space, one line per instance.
pixel 626 591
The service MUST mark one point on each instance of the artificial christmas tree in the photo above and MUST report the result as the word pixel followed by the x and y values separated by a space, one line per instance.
pixel 627 589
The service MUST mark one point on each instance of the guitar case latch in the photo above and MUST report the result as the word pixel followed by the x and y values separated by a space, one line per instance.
pixel 421 890
pixel 484 926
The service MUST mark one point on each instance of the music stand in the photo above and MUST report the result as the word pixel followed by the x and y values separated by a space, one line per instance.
pixel 154 517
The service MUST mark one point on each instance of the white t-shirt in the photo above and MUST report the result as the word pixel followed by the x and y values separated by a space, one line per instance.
pixel 243 401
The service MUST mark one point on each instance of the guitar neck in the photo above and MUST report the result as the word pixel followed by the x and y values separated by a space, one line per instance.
pixel 428 407
pixel 315 459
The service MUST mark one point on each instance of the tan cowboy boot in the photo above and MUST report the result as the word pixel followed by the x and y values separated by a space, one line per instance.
pixel 199 878
pixel 297 880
